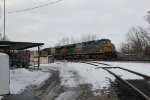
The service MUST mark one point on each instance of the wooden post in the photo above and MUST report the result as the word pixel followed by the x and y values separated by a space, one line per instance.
pixel 38 57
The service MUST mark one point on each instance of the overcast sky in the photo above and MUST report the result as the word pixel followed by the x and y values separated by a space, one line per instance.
pixel 72 18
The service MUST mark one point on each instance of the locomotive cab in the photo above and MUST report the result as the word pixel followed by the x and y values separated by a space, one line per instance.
pixel 107 48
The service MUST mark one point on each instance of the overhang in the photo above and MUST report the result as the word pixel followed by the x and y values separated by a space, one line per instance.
pixel 19 45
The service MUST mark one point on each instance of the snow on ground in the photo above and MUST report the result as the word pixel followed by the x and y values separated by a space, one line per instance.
pixel 67 96
pixel 125 74
pixel 21 78
pixel 88 73
pixel 134 66
pixel 73 74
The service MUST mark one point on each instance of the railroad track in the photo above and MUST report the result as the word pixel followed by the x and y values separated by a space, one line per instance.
pixel 139 87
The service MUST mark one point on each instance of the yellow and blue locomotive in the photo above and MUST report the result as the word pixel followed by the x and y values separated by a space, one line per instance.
pixel 96 49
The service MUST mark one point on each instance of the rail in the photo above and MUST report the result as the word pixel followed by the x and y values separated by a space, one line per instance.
pixel 137 91
pixel 141 94
pixel 137 73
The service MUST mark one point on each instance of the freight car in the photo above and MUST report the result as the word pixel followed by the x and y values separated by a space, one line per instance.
pixel 97 49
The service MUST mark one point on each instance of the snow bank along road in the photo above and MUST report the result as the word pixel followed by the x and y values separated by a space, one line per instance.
pixel 22 78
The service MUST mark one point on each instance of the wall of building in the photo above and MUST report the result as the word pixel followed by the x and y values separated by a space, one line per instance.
pixel 43 60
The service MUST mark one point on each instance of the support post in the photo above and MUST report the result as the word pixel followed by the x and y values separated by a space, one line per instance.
pixel 38 57
pixel 4 20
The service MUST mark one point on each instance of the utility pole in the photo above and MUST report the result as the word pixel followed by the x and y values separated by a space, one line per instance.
pixel 4 21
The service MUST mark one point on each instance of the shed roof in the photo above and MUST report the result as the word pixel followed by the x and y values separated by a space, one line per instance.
pixel 19 45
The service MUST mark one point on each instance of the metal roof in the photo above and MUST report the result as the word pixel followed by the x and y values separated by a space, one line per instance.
pixel 19 45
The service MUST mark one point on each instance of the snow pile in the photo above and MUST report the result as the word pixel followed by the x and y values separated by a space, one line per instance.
pixel 143 68
pixel 21 78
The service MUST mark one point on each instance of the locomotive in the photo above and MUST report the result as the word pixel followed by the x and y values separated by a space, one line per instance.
pixel 96 49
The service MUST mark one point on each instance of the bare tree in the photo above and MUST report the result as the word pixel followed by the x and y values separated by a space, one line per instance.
pixel 138 41
pixel 72 40
pixel 63 41
pixel 58 44
pixel 126 48
pixel 148 17
pixel 135 39
pixel 88 37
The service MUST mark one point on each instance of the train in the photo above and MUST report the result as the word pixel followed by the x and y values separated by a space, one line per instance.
pixel 96 49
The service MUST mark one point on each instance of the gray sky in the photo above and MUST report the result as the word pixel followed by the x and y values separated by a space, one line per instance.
pixel 72 18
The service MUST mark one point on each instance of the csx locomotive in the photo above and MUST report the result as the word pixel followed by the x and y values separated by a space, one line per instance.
pixel 97 49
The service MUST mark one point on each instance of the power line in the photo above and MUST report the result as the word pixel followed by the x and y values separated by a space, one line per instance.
pixel 36 7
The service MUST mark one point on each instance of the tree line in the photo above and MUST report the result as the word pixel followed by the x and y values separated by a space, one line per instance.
pixel 137 42
pixel 84 38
